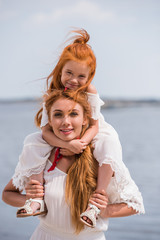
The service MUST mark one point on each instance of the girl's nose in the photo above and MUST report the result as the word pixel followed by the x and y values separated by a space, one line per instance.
pixel 74 80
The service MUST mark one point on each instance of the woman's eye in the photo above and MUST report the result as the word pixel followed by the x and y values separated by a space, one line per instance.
pixel 73 114
pixel 57 115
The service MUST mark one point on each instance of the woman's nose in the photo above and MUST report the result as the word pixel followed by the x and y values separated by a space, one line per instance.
pixel 66 121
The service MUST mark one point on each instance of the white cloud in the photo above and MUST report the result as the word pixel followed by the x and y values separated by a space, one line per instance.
pixel 84 9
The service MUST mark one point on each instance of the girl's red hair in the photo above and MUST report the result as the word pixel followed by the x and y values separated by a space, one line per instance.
pixel 78 51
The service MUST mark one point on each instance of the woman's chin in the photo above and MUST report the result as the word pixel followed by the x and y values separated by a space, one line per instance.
pixel 68 137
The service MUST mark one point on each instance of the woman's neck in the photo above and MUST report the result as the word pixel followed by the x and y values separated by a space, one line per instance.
pixel 64 163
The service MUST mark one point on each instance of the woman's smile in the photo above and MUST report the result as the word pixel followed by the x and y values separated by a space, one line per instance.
pixel 66 131
pixel 66 119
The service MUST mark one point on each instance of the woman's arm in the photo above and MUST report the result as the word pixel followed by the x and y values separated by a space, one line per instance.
pixel 118 210
pixel 100 200
pixel 13 196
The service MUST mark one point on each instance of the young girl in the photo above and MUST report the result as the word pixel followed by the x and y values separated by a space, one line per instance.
pixel 74 70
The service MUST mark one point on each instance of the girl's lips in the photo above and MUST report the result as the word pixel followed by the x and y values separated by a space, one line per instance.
pixel 71 86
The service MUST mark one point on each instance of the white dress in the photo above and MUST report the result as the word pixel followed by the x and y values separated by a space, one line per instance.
pixel 107 150
pixel 56 225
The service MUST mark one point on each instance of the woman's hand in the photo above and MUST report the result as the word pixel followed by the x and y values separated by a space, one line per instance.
pixel 100 200
pixel 34 189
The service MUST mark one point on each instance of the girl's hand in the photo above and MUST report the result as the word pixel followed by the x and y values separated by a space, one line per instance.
pixel 66 152
pixel 34 189
pixel 77 146
pixel 100 200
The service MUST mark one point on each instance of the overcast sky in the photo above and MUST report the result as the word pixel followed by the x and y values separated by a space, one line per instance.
pixel 125 36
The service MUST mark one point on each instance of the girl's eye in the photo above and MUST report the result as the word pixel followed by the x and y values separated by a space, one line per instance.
pixel 81 76
pixel 69 72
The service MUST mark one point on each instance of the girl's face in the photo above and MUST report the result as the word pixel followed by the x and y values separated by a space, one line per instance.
pixel 74 74
pixel 66 119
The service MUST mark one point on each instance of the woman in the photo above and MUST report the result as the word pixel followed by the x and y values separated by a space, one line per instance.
pixel 71 184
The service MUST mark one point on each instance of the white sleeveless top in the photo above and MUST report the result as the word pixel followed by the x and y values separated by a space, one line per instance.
pixel 57 224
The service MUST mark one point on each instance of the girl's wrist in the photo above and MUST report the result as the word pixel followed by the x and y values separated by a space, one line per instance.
pixel 67 145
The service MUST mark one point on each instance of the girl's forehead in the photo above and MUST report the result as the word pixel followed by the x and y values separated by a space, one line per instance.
pixel 75 65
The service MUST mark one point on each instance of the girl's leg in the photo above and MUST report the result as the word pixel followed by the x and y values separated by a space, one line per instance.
pixel 39 177
pixel 105 174
pixel 34 205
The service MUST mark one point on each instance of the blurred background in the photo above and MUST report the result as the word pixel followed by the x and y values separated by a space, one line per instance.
pixel 125 37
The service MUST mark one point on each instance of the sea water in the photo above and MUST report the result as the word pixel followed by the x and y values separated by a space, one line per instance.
pixel 139 133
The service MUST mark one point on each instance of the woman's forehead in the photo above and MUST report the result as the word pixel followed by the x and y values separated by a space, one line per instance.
pixel 64 104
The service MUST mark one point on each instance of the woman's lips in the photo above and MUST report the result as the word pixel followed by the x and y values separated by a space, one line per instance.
pixel 66 131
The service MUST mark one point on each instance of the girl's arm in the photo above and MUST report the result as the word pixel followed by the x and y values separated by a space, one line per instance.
pixel 49 136
pixel 76 146
pixel 91 132
pixel 93 128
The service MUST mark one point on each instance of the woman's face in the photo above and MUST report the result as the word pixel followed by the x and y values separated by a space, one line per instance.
pixel 74 74
pixel 66 119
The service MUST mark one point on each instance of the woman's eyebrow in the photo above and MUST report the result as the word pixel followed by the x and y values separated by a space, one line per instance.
pixel 74 109
pixel 57 110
